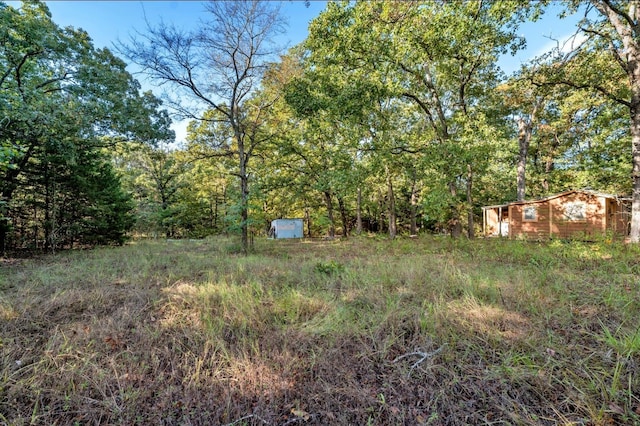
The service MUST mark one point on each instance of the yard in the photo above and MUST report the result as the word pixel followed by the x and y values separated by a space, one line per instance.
pixel 359 331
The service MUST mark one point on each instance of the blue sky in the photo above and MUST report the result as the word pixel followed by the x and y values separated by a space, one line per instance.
pixel 109 21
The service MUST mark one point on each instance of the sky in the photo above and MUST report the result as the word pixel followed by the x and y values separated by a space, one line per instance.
pixel 106 22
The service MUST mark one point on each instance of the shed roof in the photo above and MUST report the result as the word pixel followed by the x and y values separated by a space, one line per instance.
pixel 495 206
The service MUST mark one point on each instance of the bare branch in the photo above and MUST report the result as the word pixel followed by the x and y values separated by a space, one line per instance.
pixel 598 88
pixel 616 53
pixel 423 356
pixel 53 80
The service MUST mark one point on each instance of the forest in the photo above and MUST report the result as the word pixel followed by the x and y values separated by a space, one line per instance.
pixel 390 118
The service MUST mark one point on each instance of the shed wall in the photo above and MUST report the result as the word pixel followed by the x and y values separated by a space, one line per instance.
pixel 618 216
pixel 492 222
pixel 553 221
pixel 287 228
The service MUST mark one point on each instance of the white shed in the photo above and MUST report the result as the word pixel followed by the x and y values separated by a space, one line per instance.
pixel 286 228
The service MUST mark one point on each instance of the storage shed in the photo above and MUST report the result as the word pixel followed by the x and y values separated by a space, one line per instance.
pixel 568 214
pixel 286 228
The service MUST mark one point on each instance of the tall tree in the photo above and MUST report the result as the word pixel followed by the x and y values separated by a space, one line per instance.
pixel 624 45
pixel 440 56
pixel 217 67
pixel 61 101
pixel 526 104
pixel 609 55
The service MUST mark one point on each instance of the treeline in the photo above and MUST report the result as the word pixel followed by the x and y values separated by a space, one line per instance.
pixel 390 117
pixel 64 106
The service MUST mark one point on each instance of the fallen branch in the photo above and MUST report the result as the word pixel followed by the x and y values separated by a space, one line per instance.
pixel 423 356
pixel 299 419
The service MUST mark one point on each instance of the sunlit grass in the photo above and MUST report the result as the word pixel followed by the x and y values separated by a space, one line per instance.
pixel 193 332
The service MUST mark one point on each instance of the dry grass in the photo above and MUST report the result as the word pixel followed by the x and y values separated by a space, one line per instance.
pixel 323 333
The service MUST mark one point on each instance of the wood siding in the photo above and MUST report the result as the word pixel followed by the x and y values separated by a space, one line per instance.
pixel 554 217
pixel 618 217
pixel 492 224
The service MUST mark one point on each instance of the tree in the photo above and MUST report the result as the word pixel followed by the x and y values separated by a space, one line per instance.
pixel 439 56
pixel 217 67
pixel 624 46
pixel 609 55
pixel 62 102
pixel 523 103
pixel 154 176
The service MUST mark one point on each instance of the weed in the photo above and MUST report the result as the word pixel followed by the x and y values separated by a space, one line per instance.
pixel 329 268
pixel 186 332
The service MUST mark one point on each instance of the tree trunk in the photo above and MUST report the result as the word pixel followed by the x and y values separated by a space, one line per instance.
pixel 214 218
pixel 525 128
pixel 49 216
pixel 524 136
pixel 455 226
pixel 243 158
pixel 224 204
pixel 470 224
pixel 244 210
pixel 307 218
pixel 329 203
pixel 633 73
pixel 359 212
pixel 634 235
pixel 344 217
pixel 413 211
pixel 380 215
pixel 4 224
pixel 392 207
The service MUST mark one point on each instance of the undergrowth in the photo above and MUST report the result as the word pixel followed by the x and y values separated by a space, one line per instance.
pixel 359 331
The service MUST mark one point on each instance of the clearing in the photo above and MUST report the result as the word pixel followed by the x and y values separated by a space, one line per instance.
pixel 362 331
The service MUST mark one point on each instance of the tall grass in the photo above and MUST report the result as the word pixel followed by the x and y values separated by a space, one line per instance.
pixel 359 331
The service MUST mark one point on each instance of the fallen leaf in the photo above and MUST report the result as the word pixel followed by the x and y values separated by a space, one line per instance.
pixel 113 342
pixel 301 413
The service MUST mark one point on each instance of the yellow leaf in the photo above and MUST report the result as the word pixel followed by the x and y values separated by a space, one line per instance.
pixel 300 413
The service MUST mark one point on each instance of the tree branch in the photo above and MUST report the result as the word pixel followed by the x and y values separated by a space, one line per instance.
pixel 607 4
pixel 423 356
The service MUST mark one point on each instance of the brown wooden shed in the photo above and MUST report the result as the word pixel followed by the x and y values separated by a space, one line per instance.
pixel 576 213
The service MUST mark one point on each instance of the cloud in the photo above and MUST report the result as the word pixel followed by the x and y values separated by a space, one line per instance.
pixel 180 127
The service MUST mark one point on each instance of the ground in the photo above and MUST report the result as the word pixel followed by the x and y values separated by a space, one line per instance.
pixel 359 331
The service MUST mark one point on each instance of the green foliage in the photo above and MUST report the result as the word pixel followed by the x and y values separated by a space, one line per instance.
pixel 417 77
pixel 393 112
pixel 62 102
pixel 331 267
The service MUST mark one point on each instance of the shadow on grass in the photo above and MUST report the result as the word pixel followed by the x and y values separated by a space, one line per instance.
pixel 186 333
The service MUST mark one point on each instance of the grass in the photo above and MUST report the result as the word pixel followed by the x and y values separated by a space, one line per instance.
pixel 361 331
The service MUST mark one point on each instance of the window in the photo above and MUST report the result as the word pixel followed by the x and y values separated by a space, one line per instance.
pixel 530 213
pixel 575 211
